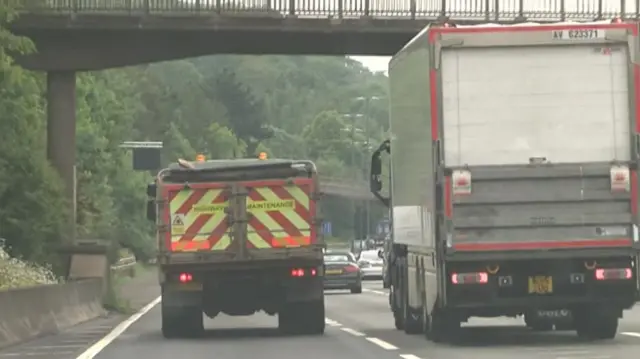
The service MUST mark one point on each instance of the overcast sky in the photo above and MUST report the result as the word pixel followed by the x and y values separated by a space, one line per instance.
pixel 374 63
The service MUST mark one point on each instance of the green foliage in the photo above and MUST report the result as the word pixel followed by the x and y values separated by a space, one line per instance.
pixel 222 106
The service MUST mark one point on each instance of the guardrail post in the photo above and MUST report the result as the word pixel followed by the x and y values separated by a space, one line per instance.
pixel 413 9
pixel 487 10
pixel 367 4
pixel 521 17
pixel 443 9
pixel 623 9
pixel 292 7
pixel 600 10
pixel 146 7
pixel 340 9
pixel 563 10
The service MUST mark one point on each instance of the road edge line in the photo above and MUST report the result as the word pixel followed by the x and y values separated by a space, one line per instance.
pixel 101 344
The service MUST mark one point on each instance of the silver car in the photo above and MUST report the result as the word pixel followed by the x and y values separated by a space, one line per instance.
pixel 370 264
pixel 342 272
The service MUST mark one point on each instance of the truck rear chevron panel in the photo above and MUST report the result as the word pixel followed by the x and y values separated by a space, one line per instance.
pixel 279 216
pixel 194 225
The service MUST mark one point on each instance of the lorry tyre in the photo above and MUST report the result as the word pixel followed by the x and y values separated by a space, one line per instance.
pixel 302 318
pixel 596 325
pixel 398 317
pixel 412 318
pixel 182 322
pixel 357 289
pixel 444 327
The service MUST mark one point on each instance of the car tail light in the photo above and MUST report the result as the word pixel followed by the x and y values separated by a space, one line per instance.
pixel 461 182
pixel 301 272
pixel 351 268
pixel 613 273
pixel 470 278
pixel 185 277
pixel 620 179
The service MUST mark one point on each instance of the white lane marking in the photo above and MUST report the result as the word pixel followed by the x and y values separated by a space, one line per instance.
pixel 409 356
pixel 33 354
pixel 332 323
pixel 381 343
pixel 352 332
pixel 99 346
pixel 631 334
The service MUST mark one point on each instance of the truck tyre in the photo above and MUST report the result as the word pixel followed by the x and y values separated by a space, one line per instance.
pixel 596 325
pixel 357 289
pixel 182 322
pixel 398 317
pixel 412 318
pixel 302 318
pixel 444 327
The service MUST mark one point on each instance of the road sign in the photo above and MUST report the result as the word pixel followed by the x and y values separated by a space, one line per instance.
pixel 326 228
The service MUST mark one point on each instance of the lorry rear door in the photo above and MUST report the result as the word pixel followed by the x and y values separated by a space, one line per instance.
pixel 280 213
pixel 537 125
pixel 197 217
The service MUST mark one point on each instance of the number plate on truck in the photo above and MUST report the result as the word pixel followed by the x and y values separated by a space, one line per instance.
pixel 540 285
pixel 333 271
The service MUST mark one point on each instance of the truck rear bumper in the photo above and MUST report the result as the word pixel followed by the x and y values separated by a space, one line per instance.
pixel 521 285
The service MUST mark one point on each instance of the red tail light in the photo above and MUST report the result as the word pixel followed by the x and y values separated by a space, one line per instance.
pixel 351 268
pixel 185 277
pixel 301 272
pixel 613 273
pixel 470 278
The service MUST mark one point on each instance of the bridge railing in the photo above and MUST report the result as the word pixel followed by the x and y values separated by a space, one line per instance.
pixel 469 10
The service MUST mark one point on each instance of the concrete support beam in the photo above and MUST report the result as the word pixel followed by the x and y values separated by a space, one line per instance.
pixel 61 135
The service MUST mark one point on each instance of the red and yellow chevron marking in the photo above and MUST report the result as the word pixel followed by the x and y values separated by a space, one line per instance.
pixel 280 216
pixel 197 220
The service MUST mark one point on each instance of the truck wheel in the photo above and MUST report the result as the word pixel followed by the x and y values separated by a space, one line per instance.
pixel 314 320
pixel 357 289
pixel 444 327
pixel 596 325
pixel 412 318
pixel 181 322
pixel 302 318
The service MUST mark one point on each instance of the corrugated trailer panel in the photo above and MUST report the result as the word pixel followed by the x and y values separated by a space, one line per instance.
pixel 536 140
pixel 412 159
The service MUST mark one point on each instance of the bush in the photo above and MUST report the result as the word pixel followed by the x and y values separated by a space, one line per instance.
pixel 15 273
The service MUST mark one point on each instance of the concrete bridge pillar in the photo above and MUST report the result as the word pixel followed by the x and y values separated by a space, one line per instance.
pixel 61 135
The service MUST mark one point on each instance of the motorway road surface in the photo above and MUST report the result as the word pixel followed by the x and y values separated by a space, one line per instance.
pixel 359 327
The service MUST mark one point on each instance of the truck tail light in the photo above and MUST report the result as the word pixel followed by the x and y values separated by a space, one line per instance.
pixel 185 277
pixel 470 278
pixel 301 272
pixel 461 182
pixel 620 179
pixel 613 273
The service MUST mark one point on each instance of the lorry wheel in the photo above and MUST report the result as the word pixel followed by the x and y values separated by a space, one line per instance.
pixel 302 318
pixel 182 322
pixel 444 327
pixel 357 289
pixel 314 320
pixel 598 325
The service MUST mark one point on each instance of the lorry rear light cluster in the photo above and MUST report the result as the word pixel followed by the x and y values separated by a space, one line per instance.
pixel 470 278
pixel 351 268
pixel 461 182
pixel 620 179
pixel 185 277
pixel 613 273
pixel 301 272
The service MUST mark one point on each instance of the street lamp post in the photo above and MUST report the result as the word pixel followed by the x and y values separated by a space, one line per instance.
pixel 352 132
pixel 367 103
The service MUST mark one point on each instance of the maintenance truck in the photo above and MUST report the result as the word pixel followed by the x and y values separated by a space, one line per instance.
pixel 514 152
pixel 237 237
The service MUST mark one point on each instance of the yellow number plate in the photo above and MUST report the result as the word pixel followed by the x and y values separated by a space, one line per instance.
pixel 334 271
pixel 192 287
pixel 540 285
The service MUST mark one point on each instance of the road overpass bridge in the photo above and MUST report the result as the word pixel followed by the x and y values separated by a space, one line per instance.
pixel 81 35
